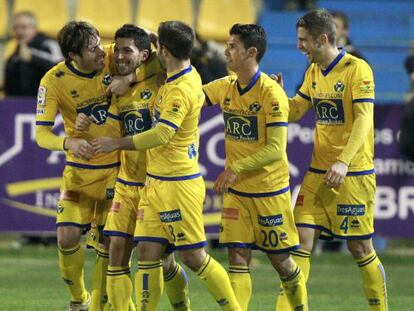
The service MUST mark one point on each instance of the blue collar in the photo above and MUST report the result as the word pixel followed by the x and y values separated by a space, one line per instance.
pixel 250 85
pixel 80 73
pixel 334 62
pixel 181 73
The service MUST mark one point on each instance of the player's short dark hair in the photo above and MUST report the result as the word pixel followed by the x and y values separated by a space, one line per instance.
pixel 342 16
pixel 75 36
pixel 177 37
pixel 251 35
pixel 141 38
pixel 318 22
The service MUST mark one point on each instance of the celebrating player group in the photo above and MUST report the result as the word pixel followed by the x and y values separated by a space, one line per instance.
pixel 131 179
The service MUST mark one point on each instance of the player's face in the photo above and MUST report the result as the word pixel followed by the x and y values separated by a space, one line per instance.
pixel 341 32
pixel 92 56
pixel 310 47
pixel 127 56
pixel 236 54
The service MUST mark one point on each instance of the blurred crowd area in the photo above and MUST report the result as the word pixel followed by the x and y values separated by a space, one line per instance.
pixel 381 33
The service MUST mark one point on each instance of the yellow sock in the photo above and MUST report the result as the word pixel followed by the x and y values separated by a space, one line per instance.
pixel 215 278
pixel 302 259
pixel 176 286
pixel 99 297
pixel 294 286
pixel 119 287
pixel 373 282
pixel 71 263
pixel 242 284
pixel 149 284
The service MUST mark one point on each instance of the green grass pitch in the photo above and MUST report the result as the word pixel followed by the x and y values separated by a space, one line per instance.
pixel 30 281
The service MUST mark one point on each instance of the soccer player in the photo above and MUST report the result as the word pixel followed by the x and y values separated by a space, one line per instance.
pixel 170 210
pixel 133 48
pixel 257 210
pixel 79 84
pixel 337 193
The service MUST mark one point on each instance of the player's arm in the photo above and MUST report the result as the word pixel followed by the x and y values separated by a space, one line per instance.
pixel 363 111
pixel 215 90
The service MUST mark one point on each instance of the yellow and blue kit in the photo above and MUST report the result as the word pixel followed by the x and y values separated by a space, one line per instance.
pixel 257 208
pixel 342 96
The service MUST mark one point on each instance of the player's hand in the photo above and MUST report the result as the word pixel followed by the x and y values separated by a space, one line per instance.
pixel 120 84
pixel 79 147
pixel 335 176
pixel 278 78
pixel 82 122
pixel 224 181
pixel 103 145
pixel 24 52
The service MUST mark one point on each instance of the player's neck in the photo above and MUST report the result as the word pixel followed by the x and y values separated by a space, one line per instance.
pixel 246 74
pixel 330 55
pixel 80 68
pixel 172 65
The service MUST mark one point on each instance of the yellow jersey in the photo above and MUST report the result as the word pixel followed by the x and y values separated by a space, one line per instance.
pixel 247 112
pixel 178 105
pixel 132 110
pixel 332 93
pixel 69 91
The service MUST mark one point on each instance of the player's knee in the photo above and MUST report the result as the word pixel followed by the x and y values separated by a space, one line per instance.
pixel 168 263
pixel 193 258
pixel 68 237
pixel 283 263
pixel 150 251
pixel 360 248
pixel 240 256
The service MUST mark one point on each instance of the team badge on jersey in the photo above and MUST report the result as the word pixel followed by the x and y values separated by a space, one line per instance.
pixel 107 79
pixel 41 96
pixel 255 107
pixel 339 87
pixel 146 94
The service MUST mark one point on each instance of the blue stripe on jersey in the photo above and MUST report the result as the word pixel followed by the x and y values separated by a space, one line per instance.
pixel 47 123
pixel 92 167
pixel 363 100
pixel 358 173
pixel 250 85
pixel 209 103
pixel 321 228
pixel 259 195
pixel 276 124
pixel 130 183
pixel 73 224
pixel 303 95
pixel 333 64
pixel 177 178
pixel 175 127
pixel 181 73
pixel 117 233
pixel 151 239
pixel 80 73
pixel 354 237
pixel 145 277
pixel 113 116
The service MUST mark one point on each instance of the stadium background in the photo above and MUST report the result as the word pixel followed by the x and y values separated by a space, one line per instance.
pixel 30 177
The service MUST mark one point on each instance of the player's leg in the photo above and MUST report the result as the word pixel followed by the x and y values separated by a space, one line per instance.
pixel 176 284
pixel 353 220
pixel 237 235
pixel 213 275
pixel 149 279
pixel 310 218
pixel 372 271
pixel 71 262
pixel 119 227
pixel 239 274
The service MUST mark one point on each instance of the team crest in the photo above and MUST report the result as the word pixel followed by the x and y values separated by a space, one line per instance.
pixel 255 107
pixel 339 87
pixel 107 79
pixel 41 96
pixel 146 94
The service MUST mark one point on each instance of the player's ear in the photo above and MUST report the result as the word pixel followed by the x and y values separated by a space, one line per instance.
pixel 252 52
pixel 145 55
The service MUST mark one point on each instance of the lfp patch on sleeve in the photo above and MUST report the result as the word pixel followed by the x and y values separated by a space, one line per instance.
pixel 41 96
